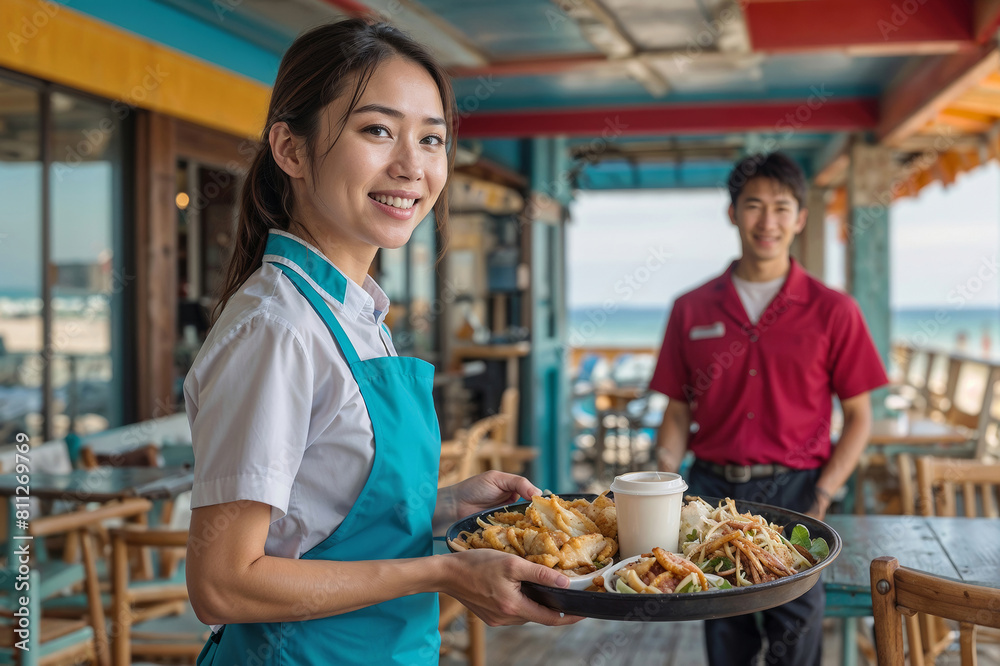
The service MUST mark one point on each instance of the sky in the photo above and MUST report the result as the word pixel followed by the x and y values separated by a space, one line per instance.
pixel 643 249
pixel 81 219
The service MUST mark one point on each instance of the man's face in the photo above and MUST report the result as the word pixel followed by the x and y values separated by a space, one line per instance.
pixel 768 218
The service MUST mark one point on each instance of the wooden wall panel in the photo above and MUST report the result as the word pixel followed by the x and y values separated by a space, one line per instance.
pixel 156 263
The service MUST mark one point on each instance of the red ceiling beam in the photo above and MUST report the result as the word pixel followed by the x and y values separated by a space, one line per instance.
pixel 352 8
pixel 920 95
pixel 869 25
pixel 779 117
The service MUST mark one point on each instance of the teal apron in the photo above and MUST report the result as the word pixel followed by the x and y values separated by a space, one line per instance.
pixel 390 520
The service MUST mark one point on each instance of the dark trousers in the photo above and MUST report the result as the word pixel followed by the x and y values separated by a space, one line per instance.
pixel 794 630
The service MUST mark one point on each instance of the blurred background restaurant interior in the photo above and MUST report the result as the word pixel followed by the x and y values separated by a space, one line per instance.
pixel 594 141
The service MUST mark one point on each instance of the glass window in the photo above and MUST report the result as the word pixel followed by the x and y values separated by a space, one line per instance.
pixel 21 367
pixel 86 265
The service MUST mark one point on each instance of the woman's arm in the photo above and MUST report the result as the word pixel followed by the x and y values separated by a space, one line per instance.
pixel 231 580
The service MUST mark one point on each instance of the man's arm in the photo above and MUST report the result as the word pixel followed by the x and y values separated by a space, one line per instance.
pixel 857 427
pixel 672 437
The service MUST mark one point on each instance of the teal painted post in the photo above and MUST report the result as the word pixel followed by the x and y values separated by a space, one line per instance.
pixel 546 409
pixel 869 195
pixel 562 440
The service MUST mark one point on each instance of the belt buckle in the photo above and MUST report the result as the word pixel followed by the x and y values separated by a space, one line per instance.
pixel 732 477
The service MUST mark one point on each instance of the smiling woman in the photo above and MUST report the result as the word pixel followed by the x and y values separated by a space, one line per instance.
pixel 315 444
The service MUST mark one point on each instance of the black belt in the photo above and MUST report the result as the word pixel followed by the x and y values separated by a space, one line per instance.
pixel 742 473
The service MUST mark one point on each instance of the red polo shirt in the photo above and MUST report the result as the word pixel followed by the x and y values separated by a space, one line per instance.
pixel 763 393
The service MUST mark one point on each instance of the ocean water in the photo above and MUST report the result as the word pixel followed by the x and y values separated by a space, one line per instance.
pixel 971 331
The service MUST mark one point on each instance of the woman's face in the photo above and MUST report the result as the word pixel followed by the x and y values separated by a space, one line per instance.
pixel 384 173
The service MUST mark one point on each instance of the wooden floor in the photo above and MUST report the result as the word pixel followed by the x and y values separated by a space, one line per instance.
pixel 604 643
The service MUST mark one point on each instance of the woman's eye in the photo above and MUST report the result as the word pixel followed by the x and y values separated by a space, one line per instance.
pixel 375 130
pixel 433 140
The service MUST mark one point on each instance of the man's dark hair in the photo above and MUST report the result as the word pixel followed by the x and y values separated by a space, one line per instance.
pixel 775 166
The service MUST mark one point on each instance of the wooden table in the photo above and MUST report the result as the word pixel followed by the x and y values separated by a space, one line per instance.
pixel 965 549
pixel 511 353
pixel 102 484
pixel 889 438
pixel 919 432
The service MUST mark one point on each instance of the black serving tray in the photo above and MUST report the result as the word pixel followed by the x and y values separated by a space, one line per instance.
pixel 679 607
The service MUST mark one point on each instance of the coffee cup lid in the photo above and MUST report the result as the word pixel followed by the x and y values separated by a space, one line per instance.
pixel 649 483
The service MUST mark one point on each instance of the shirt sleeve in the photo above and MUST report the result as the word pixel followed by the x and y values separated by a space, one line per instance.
pixel 249 399
pixel 671 375
pixel 856 366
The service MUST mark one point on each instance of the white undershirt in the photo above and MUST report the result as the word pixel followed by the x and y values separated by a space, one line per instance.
pixel 756 296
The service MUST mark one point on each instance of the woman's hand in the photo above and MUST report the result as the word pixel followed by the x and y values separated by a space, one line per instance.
pixel 488 582
pixel 478 493
pixel 490 489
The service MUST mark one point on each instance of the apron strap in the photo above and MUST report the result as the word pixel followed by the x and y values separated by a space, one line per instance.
pixel 324 311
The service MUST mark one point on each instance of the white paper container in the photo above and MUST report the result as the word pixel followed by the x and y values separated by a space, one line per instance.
pixel 583 582
pixel 649 511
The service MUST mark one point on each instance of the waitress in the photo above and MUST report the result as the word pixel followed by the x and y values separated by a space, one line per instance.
pixel 316 447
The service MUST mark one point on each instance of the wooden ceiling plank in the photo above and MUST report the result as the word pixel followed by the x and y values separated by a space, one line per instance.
pixel 918 97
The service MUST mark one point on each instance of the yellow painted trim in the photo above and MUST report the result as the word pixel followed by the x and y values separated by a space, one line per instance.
pixel 52 42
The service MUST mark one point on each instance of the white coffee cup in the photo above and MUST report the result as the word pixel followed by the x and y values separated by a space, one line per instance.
pixel 649 511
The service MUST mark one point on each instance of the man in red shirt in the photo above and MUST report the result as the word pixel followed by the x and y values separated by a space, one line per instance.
pixel 750 361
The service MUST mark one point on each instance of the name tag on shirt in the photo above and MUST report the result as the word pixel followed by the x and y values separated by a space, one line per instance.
pixel 716 330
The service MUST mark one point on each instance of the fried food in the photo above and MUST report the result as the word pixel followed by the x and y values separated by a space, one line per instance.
pixel 574 537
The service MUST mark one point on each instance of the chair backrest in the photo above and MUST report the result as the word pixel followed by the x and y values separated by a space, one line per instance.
pixel 942 380
pixel 458 456
pixel 900 357
pixel 898 590
pixel 944 484
pixel 918 370
pixel 988 428
pixel 510 404
pixel 147 455
pixel 968 394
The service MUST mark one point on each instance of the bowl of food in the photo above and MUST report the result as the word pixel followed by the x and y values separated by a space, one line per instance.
pixel 660 572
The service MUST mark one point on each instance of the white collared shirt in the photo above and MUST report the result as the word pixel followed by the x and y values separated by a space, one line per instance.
pixel 276 415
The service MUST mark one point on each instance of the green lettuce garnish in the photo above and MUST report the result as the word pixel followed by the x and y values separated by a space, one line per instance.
pixel 818 547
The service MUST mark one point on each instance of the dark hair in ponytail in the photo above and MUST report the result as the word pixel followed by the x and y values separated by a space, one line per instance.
pixel 317 69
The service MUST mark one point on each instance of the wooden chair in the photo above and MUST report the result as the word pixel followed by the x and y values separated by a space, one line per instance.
pixel 174 513
pixel 147 455
pixel 61 640
pixel 458 462
pixel 988 428
pixel 458 459
pixel 153 620
pixel 898 591
pixel 944 483
pixel 942 381
pixel 952 487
